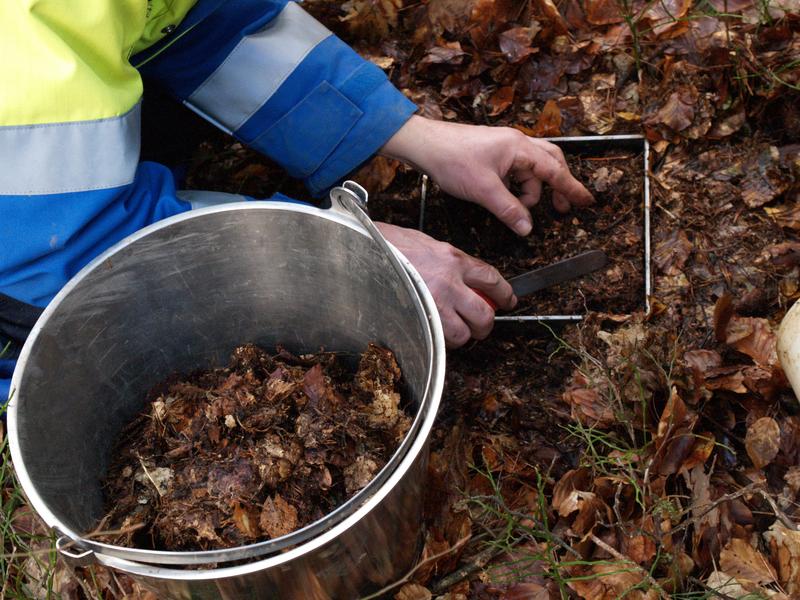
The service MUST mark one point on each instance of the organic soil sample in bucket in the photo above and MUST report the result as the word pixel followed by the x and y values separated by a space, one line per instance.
pixel 235 455
pixel 614 224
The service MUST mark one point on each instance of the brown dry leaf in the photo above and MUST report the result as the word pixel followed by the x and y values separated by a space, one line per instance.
pixel 785 215
pixel 378 174
pixel 727 378
pixel 515 43
pixel 449 15
pixel 784 546
pixel 678 111
pixel 672 253
pixel 246 521
pixel 278 517
pixel 526 591
pixel 753 337
pixel 705 537
pixel 792 479
pixel 575 479
pixel 549 122
pixel 548 14
pixel 500 100
pixel 763 181
pixel 589 407
pixel 610 582
pixel 449 53
pixel 603 12
pixel 371 19
pixel 763 441
pixel 666 16
pixel 413 591
pixel 701 362
pixel 745 563
pixel 722 583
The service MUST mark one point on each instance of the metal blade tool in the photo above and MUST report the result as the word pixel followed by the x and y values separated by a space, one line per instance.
pixel 558 272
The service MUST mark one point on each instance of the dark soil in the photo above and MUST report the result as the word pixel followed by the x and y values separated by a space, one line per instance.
pixel 250 452
pixel 615 224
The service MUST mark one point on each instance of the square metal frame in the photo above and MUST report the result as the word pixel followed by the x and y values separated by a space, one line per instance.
pixel 587 146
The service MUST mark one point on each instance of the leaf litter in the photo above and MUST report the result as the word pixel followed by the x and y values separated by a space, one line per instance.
pixel 252 451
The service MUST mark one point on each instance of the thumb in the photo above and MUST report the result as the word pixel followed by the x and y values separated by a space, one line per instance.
pixel 494 196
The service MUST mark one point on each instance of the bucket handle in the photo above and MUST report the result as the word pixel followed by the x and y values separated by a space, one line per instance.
pixel 84 558
pixel 351 200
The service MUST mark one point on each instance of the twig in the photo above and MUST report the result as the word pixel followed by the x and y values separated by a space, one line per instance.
pixel 616 554
pixel 419 565
pixel 717 594
pixel 480 561
pixel 147 473
pixel 782 516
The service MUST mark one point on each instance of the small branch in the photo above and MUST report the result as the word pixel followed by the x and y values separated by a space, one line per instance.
pixel 405 578
pixel 480 561
pixel 616 554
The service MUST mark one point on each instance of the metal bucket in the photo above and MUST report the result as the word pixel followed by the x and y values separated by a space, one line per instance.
pixel 180 295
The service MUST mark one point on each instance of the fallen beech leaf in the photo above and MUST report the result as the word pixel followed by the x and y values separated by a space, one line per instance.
pixel 678 111
pixel 723 311
pixel 575 479
pixel 516 42
pixel 725 585
pixel 746 563
pixel 785 215
pixel 246 521
pixel 548 13
pixel 278 517
pixel 610 581
pixel 753 337
pixel 526 591
pixel 449 54
pixel 371 19
pixel 603 12
pixel 413 591
pixel 784 545
pixel 378 174
pixel 763 441
pixel 706 537
pixel 671 254
pixel 763 181
pixel 589 407
pixel 549 122
pixel 666 16
pixel 792 479
pixel 500 100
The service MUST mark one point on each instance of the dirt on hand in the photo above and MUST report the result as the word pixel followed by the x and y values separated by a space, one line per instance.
pixel 236 455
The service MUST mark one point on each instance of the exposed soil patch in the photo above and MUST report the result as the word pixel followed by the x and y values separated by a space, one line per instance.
pixel 250 452
pixel 615 224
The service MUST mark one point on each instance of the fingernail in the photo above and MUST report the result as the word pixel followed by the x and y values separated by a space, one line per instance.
pixel 514 301
pixel 523 226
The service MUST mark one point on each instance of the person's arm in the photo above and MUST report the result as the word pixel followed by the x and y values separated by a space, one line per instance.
pixel 278 80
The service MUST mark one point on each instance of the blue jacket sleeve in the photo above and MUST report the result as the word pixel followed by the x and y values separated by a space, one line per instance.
pixel 270 74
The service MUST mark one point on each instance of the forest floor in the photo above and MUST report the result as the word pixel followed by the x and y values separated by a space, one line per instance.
pixel 636 454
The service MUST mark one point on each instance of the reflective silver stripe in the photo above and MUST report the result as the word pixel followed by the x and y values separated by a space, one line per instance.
pixel 256 68
pixel 201 199
pixel 56 158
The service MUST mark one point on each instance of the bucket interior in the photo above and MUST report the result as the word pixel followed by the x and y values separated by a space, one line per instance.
pixel 180 296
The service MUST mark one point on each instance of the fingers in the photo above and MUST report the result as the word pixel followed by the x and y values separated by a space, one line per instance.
pixel 486 279
pixel 546 162
pixel 496 198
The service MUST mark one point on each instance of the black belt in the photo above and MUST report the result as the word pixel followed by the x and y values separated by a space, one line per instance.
pixel 16 320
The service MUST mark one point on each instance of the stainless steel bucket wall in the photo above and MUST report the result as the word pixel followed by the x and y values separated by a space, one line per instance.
pixel 181 295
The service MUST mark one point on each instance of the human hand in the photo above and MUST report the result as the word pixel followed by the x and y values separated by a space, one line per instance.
pixel 452 278
pixel 477 163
